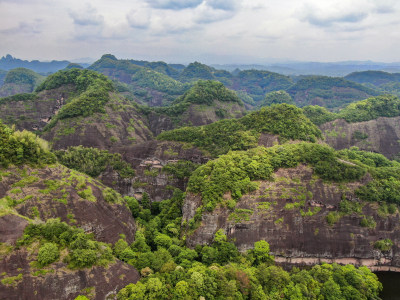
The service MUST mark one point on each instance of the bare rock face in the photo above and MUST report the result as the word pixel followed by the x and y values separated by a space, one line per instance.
pixel 57 192
pixel 148 159
pixel 121 125
pixel 381 135
pixel 11 228
pixel 58 282
pixel 35 114
pixel 291 212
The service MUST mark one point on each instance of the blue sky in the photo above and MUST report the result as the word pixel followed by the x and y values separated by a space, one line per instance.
pixel 210 31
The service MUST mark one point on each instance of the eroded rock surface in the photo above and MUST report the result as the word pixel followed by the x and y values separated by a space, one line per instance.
pixel 291 212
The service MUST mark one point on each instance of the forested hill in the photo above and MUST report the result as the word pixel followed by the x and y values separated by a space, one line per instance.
pixel 330 92
pixel 20 80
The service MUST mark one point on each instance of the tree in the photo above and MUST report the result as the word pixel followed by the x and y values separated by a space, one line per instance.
pixel 145 201
pixel 48 253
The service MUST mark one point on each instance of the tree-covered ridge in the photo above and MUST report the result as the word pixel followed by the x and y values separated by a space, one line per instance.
pixel 364 110
pixel 109 61
pixel 23 76
pixel 147 78
pixel 276 97
pixel 160 67
pixel 327 91
pixel 257 83
pixel 376 78
pixel 195 71
pixel 93 161
pixel 92 92
pixel 285 120
pixel 235 172
pixel 22 147
pixel 208 91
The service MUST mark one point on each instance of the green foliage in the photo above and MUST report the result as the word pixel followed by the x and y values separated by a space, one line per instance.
pixel 154 80
pixel 83 250
pixel 145 201
pixel 181 169
pixel 327 91
pixel 333 217
pixel 371 108
pixel 195 71
pixel 208 91
pixel 240 134
pixel 18 97
pixel 111 196
pixel 93 92
pixel 93 161
pixel 364 110
pixel 277 97
pixel 383 245
pixel 23 76
pixel 235 172
pixel 22 147
pixel 257 83
pixel 318 115
pixel 48 254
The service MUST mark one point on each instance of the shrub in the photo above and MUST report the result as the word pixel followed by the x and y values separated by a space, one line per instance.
pixel 383 245
pixel 48 254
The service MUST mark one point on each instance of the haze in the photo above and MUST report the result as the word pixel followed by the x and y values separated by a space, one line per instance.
pixel 210 31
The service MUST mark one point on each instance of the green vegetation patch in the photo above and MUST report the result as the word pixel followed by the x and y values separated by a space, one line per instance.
pixel 83 250
pixel 93 161
pixel 236 172
pixel 23 147
pixel 217 138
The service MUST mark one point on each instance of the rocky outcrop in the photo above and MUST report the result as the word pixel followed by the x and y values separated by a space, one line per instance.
pixel 57 192
pixel 57 282
pixel 34 115
pixel 121 124
pixel 381 135
pixel 290 213
pixel 148 159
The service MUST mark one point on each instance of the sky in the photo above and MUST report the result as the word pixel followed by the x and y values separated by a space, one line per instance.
pixel 209 31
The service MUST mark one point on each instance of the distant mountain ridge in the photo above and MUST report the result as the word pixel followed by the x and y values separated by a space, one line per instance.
pixel 9 62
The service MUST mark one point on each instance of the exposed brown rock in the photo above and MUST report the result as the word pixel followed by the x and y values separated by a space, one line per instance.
pixel 62 283
pixel 300 239
pixel 382 135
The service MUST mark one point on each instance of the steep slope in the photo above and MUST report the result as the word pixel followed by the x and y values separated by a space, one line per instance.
pixel 267 126
pixel 20 80
pixel 151 86
pixel 330 92
pixel 41 257
pixel 77 107
pixel 370 124
pixel 305 200
pixel 206 102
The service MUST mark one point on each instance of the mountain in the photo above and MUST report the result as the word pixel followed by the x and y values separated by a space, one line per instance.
pixel 143 84
pixel 310 203
pixel 20 80
pixel 383 81
pixel 205 102
pixel 370 125
pixel 56 224
pixel 330 92
pixel 8 62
